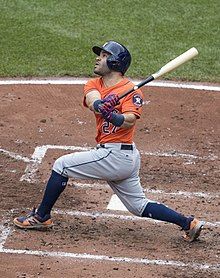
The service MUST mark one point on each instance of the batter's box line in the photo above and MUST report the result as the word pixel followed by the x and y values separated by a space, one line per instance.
pixel 5 232
pixel 40 152
pixel 15 156
pixel 98 214
pixel 37 157
pixel 186 194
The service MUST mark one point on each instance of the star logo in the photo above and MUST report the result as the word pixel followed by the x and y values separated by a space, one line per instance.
pixel 137 100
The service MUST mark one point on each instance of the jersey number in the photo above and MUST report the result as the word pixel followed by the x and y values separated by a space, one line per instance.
pixel 108 128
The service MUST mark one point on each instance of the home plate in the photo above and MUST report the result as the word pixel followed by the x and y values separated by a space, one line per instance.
pixel 116 204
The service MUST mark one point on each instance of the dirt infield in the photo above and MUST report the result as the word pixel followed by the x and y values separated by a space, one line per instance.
pixel 178 136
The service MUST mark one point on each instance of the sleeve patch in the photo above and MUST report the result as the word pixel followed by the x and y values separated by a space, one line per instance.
pixel 137 100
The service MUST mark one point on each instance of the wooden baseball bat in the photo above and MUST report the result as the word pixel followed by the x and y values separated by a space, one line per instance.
pixel 173 64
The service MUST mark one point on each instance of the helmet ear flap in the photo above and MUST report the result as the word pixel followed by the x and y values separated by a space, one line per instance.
pixel 113 63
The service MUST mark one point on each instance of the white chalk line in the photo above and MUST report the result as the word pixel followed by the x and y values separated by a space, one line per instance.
pixel 84 256
pixel 40 152
pixel 180 155
pixel 5 231
pixel 187 194
pixel 38 156
pixel 82 81
pixel 124 217
pixel 97 214
pixel 15 156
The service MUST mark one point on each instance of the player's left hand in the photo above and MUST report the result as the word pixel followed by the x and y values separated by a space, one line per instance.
pixel 111 99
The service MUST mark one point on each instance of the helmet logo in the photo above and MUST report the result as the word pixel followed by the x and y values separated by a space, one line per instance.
pixel 105 44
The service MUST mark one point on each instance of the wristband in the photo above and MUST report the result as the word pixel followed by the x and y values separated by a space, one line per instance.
pixel 117 119
pixel 96 104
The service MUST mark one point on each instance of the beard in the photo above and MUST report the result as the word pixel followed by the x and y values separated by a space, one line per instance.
pixel 98 72
pixel 102 71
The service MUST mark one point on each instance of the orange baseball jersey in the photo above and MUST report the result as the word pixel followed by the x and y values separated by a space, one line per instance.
pixel 132 103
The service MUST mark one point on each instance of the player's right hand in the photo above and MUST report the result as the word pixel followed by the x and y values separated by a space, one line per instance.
pixel 108 113
pixel 105 109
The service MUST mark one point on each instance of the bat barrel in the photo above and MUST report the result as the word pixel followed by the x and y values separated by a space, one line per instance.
pixel 178 61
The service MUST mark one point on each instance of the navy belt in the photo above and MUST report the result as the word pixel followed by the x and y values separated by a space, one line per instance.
pixel 123 146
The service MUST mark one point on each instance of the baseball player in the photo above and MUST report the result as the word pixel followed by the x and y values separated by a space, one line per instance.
pixel 115 158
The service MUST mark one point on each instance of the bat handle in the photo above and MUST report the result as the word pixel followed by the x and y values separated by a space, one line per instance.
pixel 139 85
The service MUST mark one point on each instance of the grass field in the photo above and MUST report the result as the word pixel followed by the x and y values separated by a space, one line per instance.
pixel 54 38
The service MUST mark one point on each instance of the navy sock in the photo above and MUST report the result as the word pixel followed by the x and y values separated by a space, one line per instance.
pixel 161 212
pixel 55 186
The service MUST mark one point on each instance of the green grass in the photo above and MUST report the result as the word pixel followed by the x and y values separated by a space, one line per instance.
pixel 54 38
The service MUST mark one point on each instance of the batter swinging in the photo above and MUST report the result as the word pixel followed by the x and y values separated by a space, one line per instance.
pixel 115 158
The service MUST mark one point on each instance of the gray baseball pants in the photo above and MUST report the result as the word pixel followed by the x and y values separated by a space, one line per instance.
pixel 118 166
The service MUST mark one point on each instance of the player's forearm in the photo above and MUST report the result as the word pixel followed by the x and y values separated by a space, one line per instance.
pixel 91 97
pixel 127 124
pixel 129 120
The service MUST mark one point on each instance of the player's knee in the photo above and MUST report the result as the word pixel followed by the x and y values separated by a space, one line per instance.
pixel 137 207
pixel 135 211
pixel 58 165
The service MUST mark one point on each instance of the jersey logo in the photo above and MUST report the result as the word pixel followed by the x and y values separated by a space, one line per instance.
pixel 137 100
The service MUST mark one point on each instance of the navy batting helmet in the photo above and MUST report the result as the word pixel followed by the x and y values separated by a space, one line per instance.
pixel 120 58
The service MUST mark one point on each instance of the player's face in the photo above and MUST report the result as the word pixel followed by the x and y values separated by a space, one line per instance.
pixel 101 67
